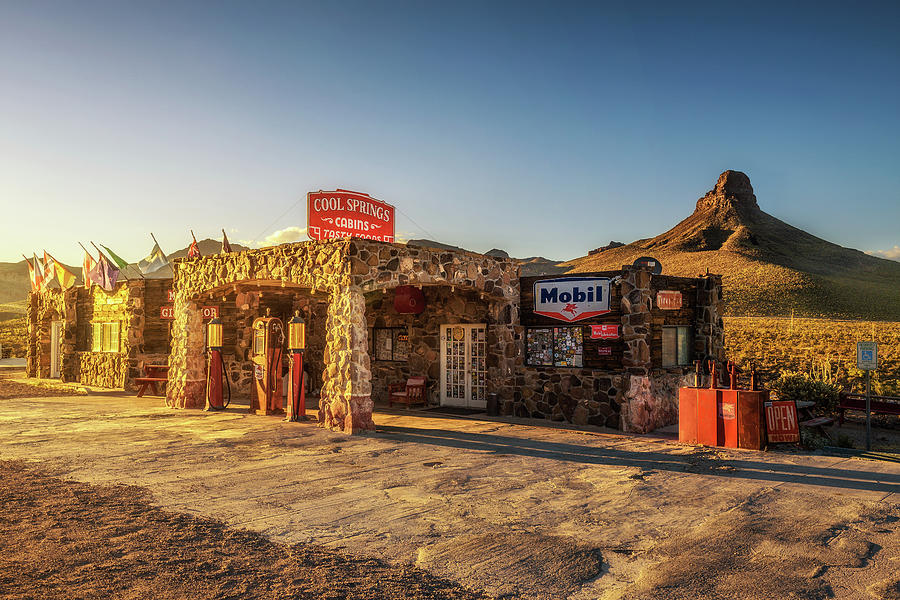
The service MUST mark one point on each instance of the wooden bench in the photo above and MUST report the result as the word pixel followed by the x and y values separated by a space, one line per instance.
pixel 145 382
pixel 885 405
pixel 153 374
pixel 409 393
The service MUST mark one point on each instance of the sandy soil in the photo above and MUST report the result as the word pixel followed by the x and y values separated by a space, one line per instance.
pixel 64 539
pixel 508 510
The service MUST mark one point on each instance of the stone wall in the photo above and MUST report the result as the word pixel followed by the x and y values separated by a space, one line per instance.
pixel 442 306
pixel 101 369
pixel 43 308
pixel 579 396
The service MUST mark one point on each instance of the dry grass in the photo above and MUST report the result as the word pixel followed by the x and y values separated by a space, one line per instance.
pixel 824 347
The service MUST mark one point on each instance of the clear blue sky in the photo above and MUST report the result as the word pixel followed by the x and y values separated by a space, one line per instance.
pixel 539 128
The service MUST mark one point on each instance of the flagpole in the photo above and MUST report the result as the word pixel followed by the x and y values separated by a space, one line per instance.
pixel 108 260
pixel 85 249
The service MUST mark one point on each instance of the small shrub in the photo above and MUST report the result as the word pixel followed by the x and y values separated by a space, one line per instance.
pixel 800 387
pixel 844 441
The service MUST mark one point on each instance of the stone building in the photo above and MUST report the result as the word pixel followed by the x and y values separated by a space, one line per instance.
pixel 478 334
pixel 95 337
pixel 343 290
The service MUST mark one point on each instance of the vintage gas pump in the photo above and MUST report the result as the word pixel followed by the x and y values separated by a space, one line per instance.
pixel 296 389
pixel 268 342
pixel 215 371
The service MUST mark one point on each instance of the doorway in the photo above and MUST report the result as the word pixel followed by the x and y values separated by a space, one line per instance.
pixel 464 365
pixel 55 343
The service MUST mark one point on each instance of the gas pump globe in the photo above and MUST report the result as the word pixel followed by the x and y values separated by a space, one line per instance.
pixel 214 334
pixel 215 367
pixel 296 390
pixel 296 334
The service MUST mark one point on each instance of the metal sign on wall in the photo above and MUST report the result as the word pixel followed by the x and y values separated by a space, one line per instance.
pixel 571 298
pixel 668 300
pixel 604 332
pixel 346 214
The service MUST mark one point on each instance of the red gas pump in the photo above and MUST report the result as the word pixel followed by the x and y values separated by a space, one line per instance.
pixel 296 389
pixel 268 342
pixel 215 370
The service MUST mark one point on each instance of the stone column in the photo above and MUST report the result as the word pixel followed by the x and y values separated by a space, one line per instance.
pixel 31 354
pixel 187 362
pixel 134 338
pixel 638 406
pixel 345 403
pixel 709 342
pixel 68 360
pixel 635 291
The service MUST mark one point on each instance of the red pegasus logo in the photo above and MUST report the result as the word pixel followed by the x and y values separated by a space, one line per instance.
pixel 571 308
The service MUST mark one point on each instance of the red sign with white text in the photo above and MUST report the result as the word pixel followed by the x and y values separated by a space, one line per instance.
pixel 604 351
pixel 345 214
pixel 209 312
pixel 781 421
pixel 668 300
pixel 170 295
pixel 603 332
pixel 167 311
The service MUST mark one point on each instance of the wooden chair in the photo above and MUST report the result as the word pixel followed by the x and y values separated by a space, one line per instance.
pixel 409 393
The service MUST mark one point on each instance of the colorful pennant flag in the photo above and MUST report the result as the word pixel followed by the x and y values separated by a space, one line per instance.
pixel 49 270
pixel 88 268
pixel 155 261
pixel 39 273
pixel 64 276
pixel 226 247
pixel 107 274
pixel 120 262
pixel 32 275
pixel 194 249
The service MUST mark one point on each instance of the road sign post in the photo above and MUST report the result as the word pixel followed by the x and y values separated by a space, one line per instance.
pixel 867 359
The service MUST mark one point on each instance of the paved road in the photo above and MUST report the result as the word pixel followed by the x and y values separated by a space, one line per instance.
pixel 509 509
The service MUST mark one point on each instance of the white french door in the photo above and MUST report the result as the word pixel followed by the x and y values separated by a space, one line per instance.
pixel 55 343
pixel 464 365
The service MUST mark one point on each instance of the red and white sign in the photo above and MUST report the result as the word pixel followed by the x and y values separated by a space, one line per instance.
pixel 604 332
pixel 604 350
pixel 170 295
pixel 344 214
pixel 167 311
pixel 571 298
pixel 781 421
pixel 209 312
pixel 668 300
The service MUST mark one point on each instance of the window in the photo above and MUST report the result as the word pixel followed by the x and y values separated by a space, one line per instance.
pixel 391 343
pixel 676 346
pixel 105 337
pixel 554 346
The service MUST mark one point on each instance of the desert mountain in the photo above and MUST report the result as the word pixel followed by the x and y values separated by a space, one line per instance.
pixel 768 266
pixel 14 283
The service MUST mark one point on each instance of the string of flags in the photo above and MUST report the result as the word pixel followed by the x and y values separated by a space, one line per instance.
pixel 103 271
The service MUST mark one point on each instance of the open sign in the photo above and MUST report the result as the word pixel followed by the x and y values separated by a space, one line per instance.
pixel 781 421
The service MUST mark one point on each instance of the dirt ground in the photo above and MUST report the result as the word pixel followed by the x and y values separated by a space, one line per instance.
pixel 64 539
pixel 461 506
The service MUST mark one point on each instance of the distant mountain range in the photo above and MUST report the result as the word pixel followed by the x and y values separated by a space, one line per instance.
pixel 769 267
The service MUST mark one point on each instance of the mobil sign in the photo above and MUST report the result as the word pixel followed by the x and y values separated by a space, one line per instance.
pixel 346 214
pixel 571 298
